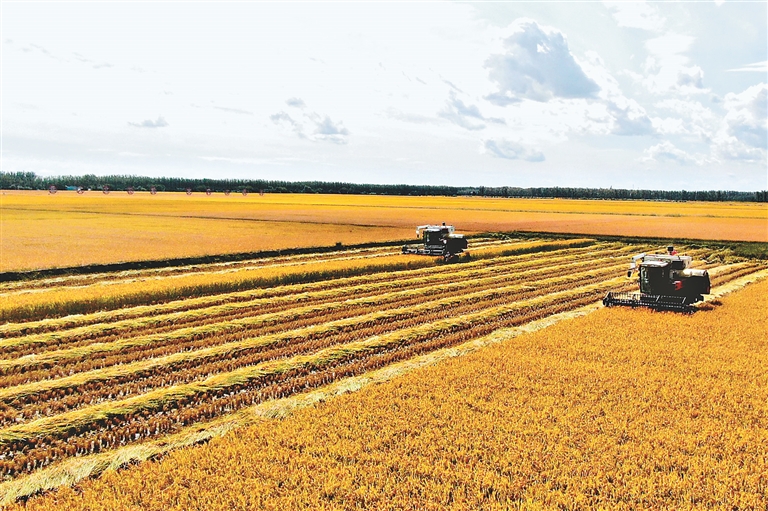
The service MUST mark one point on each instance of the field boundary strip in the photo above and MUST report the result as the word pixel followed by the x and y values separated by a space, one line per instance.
pixel 73 470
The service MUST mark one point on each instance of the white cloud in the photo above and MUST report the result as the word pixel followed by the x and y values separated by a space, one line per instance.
pixel 319 127
pixel 629 118
pixel 743 133
pixel 326 129
pixel 466 116
pixel 41 50
pixel 692 76
pixel 636 14
pixel 756 67
pixel 666 152
pixel 685 117
pixel 746 117
pixel 668 68
pixel 85 60
pixel 740 133
pixel 148 123
pixel 394 113
pixel 295 102
pixel 288 122
pixel 234 110
pixel 594 66
pixel 691 108
pixel 247 161
pixel 538 65
pixel 511 150
pixel 80 57
pixel 668 126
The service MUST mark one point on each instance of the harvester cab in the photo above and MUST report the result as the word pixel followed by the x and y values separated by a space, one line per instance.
pixel 666 283
pixel 438 240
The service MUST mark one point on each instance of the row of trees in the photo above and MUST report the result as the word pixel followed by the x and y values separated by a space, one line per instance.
pixel 31 181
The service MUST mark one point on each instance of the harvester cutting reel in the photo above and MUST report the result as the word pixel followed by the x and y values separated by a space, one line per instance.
pixel 666 283
pixel 438 240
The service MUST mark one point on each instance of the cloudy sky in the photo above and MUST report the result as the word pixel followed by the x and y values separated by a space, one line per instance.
pixel 622 94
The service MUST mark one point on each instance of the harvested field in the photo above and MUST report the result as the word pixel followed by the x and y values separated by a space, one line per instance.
pixel 178 362
pixel 623 409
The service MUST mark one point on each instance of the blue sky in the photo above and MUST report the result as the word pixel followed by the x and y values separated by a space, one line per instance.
pixel 595 94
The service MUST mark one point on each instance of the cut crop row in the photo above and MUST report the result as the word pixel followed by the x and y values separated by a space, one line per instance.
pixel 81 336
pixel 727 273
pixel 252 351
pixel 56 364
pixel 137 382
pixel 29 446
pixel 255 289
pixel 331 289
pixel 137 311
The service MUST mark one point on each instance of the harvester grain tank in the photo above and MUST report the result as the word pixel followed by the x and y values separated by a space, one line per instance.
pixel 667 282
pixel 438 240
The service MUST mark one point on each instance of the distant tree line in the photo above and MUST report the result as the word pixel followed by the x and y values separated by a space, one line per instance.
pixel 31 181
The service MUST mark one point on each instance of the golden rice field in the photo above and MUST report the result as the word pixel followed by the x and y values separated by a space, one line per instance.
pixel 38 230
pixel 101 369
pixel 621 409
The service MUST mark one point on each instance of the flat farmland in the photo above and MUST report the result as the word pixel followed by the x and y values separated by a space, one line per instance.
pixel 89 382
pixel 66 229
pixel 497 382
pixel 620 409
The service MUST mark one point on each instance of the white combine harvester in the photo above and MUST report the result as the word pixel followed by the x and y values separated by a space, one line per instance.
pixel 438 240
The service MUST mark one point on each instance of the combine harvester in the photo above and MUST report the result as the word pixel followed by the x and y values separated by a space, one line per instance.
pixel 439 240
pixel 666 283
